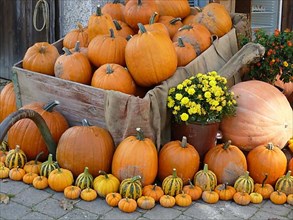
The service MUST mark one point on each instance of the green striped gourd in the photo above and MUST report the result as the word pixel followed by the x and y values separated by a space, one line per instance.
pixel 3 146
pixel 285 183
pixel 172 185
pixel 15 158
pixel 131 188
pixel 85 179
pixel 244 183
pixel 205 179
pixel 48 166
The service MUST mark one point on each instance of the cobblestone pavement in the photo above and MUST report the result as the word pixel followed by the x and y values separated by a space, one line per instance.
pixel 26 202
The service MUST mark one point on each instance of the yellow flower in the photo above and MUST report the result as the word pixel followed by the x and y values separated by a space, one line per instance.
pixel 191 91
pixel 285 64
pixel 184 100
pixel 178 96
pixel 207 94
pixel 179 86
pixel 219 108
pixel 212 83
pixel 184 117
pixel 171 103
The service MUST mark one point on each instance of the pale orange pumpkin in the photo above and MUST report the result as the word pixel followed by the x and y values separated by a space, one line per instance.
pixel 7 101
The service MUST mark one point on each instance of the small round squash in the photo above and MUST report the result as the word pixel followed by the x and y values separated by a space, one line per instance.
pixel 153 191
pixel 285 183
pixel 210 196
pixel 4 172
pixel 15 158
pixel 106 183
pixel 278 198
pixel 48 166
pixel 167 201
pixel 256 198
pixel 40 182
pixel 244 183
pixel 205 179
pixel 85 179
pixel 112 199
pixel 16 173
pixel 172 184
pixel 290 199
pixel 72 192
pixel 127 205
pixel 225 192
pixel 146 202
pixel 183 199
pixel 28 178
pixel 264 188
pixel 88 194
pixel 194 191
pixel 59 179
pixel 241 198
pixel 131 188
pixel 33 166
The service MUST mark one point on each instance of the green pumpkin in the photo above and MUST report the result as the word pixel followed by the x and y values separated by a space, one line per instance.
pixel 48 166
pixel 172 185
pixel 244 183
pixel 285 184
pixel 84 180
pixel 131 188
pixel 15 158
pixel 205 179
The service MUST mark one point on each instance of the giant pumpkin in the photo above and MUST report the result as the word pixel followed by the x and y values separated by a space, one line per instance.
pixel 263 115
pixel 7 101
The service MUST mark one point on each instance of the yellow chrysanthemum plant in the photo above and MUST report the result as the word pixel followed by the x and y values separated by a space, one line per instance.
pixel 203 98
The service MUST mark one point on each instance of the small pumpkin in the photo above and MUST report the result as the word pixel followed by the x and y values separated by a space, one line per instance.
pixel 183 199
pixel 225 191
pixel 290 199
pixel 28 178
pixel 3 155
pixel 88 194
pixel 79 34
pixel 244 183
pixel 278 198
pixel 72 192
pixel 106 183
pixel 4 172
pixel 40 182
pixel 15 158
pixel 205 179
pixel 285 183
pixel 172 184
pixel 127 205
pixel 59 179
pixel 48 166
pixel 210 196
pixel 290 144
pixel 33 166
pixel 84 180
pixel 194 191
pixel 146 202
pixel 112 199
pixel 167 201
pixel 153 191
pixel 131 188
pixel 185 52
pixel 16 173
pixel 256 198
pixel 7 101
pixel 242 198
pixel 264 188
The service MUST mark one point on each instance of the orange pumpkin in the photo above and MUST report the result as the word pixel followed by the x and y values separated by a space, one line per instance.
pixel 266 159
pixel 178 8
pixel 153 191
pixel 242 198
pixel 278 197
pixel 156 26
pixel 216 18
pixel 290 166
pixel 271 121
pixel 167 201
pixel 115 9
pixel 115 77
pixel 94 141
pixel 123 29
pixel 16 173
pixel 127 205
pixel 72 192
pixel 179 155
pixel 26 133
pixel 41 58
pixel 112 199
pixel 172 24
pixel 232 159
pixel 40 182
pixel 150 57
pixel 185 52
pixel 210 196
pixel 28 178
pixel 80 34
pixel 127 161
pixel 59 179
pixel 7 101
pixel 192 190
pixel 264 188
pixel 225 192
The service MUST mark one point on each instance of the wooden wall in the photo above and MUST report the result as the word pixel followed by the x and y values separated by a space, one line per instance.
pixel 18 33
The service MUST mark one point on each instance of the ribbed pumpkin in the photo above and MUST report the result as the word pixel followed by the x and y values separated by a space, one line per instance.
pixel 131 188
pixel 106 183
pixel 59 179
pixel 127 161
pixel 139 11
pixel 41 58
pixel 167 201
pixel 127 205
pixel 115 9
pixel 285 183
pixel 183 199
pixel 271 121
pixel 123 29
pixel 146 202
pixel 266 159
pixel 72 192
pixel 107 48
pixel 85 179
pixel 205 179
pixel 85 146
pixel 112 76
pixel 40 182
pixel 153 191
pixel 48 166
pixel 264 188
pixel 216 18
pixel 180 155
pixel 26 134
pixel 195 34
pixel 278 197
pixel 192 190
pixel 227 161
pixel 99 23
pixel 225 192
pixel 88 194
pixel 178 8
pixel 80 34
pixel 150 57
pixel 16 173
pixel 15 158
pixel 210 196
pixel 112 199
pixel 244 183
pixel 33 166
pixel 172 185
pixel 156 26
pixel 185 52
pixel 172 24
pixel 242 198
pixel 4 172
pixel 28 178
pixel 73 66
pixel 7 101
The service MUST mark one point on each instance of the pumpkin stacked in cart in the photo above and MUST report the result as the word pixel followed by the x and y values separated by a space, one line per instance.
pixel 7 101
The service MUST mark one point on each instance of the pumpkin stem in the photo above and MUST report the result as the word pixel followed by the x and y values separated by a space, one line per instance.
pixel 86 171
pixel 139 134
pixel 135 178
pixel 185 27
pixel 288 174
pixel 77 46
pixel 154 187
pixel 227 145
pixel 80 27
pixel 14 117
pixel 128 37
pixel 139 3
pixel 205 168
pixel 225 185
pixel 117 25
pixel 141 28
pixel 49 107
pixel 153 17
pixel 50 160
pixel 190 183
pixel 37 157
pixel 174 20
pixel 109 69
pixel 104 173
pixel 246 175
pixel 270 146
pixel 180 42
pixel 264 180
pixel 184 142
pixel 116 1
pixel 99 10
pixel 17 148
pixel 174 173
pixel 67 51
pixel 42 49
pixel 85 122
pixel 112 33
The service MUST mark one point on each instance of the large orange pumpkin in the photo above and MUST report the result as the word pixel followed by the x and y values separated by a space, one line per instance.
pixel 115 9
pixel 150 57
pixel 80 34
pixel 123 29
pixel 41 58
pixel 185 52
pixel 136 155
pixel 178 8
pixel 7 101
pixel 227 161
pixel 263 115
pixel 85 146
pixel 179 155
pixel 26 134
pixel 172 24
